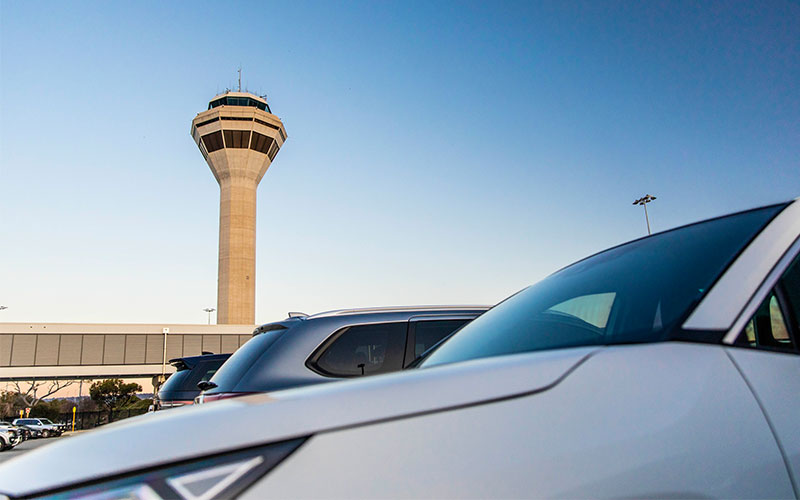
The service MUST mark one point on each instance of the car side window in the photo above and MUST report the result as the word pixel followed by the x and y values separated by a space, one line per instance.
pixel 772 324
pixel 427 333
pixel 363 350
pixel 790 287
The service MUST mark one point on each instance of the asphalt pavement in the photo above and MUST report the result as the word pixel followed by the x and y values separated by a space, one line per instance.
pixel 27 446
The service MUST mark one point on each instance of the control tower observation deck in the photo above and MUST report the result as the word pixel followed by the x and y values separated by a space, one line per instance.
pixel 239 137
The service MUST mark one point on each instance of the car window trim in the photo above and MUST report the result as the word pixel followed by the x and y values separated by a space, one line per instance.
pixel 747 271
pixel 766 287
pixel 311 360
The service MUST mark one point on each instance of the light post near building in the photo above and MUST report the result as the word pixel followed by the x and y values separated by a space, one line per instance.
pixel 643 201
pixel 164 363
pixel 209 310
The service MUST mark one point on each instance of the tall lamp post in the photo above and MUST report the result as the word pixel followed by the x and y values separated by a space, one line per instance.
pixel 643 201
pixel 209 310
pixel 164 364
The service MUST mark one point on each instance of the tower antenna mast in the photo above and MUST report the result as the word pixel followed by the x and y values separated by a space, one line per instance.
pixel 240 78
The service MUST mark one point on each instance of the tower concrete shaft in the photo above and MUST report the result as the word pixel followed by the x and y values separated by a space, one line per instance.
pixel 239 137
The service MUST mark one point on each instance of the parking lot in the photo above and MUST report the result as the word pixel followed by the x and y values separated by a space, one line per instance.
pixel 26 446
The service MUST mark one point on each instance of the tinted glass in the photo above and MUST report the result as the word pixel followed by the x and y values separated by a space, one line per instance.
pixel 364 350
pixel 260 143
pixel 213 141
pixel 428 333
pixel 174 382
pixel 767 328
pixel 636 292
pixel 237 138
pixel 229 374
pixel 770 326
pixel 790 284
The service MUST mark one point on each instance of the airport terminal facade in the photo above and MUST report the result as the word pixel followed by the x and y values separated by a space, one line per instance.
pixel 48 351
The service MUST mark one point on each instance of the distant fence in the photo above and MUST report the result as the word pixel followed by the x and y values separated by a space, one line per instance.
pixel 92 419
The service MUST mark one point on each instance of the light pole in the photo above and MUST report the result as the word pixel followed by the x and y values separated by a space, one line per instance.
pixel 643 201
pixel 164 363
pixel 209 310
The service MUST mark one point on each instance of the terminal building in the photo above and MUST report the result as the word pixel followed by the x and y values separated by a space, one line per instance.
pixel 50 351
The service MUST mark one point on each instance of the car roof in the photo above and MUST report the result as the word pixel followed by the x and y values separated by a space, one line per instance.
pixel 297 318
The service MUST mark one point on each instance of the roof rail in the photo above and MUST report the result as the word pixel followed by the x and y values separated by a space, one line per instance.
pixel 365 310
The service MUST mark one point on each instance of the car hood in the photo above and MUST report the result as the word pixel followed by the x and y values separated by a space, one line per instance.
pixel 192 432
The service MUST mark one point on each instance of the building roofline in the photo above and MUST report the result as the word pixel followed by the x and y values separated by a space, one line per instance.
pixel 231 93
pixel 129 328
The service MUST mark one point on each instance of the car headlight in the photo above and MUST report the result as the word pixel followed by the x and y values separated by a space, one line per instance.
pixel 209 478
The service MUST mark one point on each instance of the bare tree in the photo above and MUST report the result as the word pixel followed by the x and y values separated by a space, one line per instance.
pixel 40 389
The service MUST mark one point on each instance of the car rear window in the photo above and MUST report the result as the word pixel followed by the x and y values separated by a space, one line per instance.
pixel 175 382
pixel 185 380
pixel 237 365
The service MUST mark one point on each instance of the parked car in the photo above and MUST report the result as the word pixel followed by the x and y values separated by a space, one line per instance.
pixel 61 426
pixel 9 438
pixel 22 432
pixel 304 350
pixel 664 367
pixel 181 387
pixel 43 425
pixel 30 432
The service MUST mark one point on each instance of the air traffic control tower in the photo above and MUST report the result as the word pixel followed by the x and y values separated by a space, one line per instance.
pixel 239 137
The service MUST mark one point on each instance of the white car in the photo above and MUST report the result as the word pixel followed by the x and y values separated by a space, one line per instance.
pixel 665 367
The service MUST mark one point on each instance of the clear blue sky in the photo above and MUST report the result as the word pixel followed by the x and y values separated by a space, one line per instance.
pixel 437 153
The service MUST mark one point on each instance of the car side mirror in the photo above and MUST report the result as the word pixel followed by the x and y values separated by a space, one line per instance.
pixel 206 385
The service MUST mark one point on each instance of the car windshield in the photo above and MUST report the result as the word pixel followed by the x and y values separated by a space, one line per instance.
pixel 636 292
pixel 45 421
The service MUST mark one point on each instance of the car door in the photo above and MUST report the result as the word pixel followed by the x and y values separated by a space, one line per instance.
pixel 768 357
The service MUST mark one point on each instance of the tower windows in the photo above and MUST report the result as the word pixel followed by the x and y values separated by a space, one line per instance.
pixel 239 101
pixel 237 138
pixel 213 141
pixel 260 143
pixel 216 118
pixel 273 151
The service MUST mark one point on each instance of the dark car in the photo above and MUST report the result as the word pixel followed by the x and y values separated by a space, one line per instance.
pixel 181 387
pixel 304 350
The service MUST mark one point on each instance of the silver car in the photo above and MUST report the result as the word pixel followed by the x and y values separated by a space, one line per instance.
pixel 667 367
pixel 305 350
pixel 43 425
pixel 9 437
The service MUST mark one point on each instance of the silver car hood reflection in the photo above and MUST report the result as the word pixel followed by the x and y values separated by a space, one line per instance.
pixel 192 432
